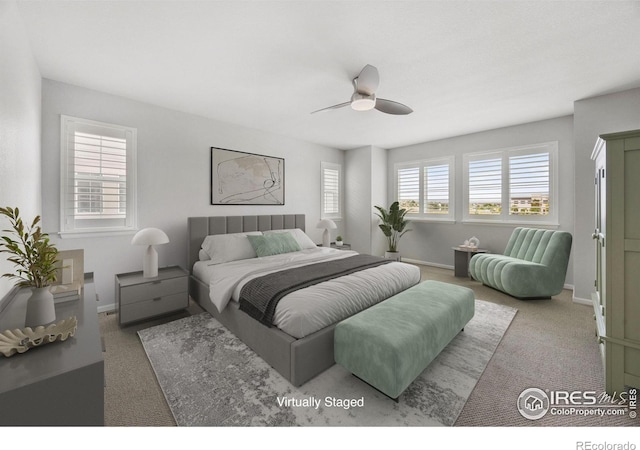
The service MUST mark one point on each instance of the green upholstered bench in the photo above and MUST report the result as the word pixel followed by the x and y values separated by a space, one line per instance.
pixel 389 344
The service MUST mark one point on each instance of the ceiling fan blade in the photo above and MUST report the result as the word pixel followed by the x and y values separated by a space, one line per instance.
pixel 339 105
pixel 391 107
pixel 368 80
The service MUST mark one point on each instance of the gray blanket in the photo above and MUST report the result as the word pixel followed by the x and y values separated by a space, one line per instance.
pixel 260 296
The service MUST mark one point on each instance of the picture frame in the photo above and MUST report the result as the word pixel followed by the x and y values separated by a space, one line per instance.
pixel 69 275
pixel 241 178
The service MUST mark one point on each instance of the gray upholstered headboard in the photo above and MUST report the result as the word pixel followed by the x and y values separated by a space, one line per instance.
pixel 200 227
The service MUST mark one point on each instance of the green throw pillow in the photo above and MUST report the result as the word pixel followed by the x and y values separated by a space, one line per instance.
pixel 274 244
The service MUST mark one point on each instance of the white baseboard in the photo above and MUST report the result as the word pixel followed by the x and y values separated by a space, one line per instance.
pixel 582 301
pixel 579 300
pixel 425 263
pixel 107 308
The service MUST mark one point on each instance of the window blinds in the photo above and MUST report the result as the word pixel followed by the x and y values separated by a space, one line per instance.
pixel 425 188
pixel 515 185
pixel 97 190
pixel 409 188
pixel 436 191
pixel 485 186
pixel 100 176
pixel 529 184
pixel 330 191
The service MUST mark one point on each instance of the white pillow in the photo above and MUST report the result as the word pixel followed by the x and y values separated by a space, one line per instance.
pixel 203 256
pixel 304 241
pixel 223 248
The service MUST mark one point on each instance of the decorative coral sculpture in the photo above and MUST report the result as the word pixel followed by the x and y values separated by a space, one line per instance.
pixel 19 341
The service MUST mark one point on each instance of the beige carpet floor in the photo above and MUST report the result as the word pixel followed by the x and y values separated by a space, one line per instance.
pixel 550 345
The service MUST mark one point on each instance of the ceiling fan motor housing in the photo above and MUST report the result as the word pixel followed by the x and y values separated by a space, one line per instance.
pixel 363 102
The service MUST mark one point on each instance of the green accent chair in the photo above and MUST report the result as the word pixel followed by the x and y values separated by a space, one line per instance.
pixel 389 344
pixel 533 266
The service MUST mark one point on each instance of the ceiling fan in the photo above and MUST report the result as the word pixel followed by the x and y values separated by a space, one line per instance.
pixel 364 95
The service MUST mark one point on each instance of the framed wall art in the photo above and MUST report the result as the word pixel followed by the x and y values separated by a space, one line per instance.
pixel 239 178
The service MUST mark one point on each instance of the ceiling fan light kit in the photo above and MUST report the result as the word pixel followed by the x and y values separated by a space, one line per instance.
pixel 361 102
pixel 364 97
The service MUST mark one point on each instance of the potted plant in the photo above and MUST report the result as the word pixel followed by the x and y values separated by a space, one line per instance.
pixel 394 226
pixel 35 258
pixel 339 241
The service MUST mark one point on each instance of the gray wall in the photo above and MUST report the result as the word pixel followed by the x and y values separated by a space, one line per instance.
pixel 593 117
pixel 379 186
pixel 365 186
pixel 431 241
pixel 358 198
pixel 173 175
pixel 19 125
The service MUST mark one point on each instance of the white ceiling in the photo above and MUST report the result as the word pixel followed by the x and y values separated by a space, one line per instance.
pixel 462 66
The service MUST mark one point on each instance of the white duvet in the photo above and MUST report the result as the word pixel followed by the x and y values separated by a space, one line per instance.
pixel 308 310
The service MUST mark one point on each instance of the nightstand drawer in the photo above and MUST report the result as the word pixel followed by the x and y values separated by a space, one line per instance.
pixel 153 307
pixel 152 289
pixel 139 298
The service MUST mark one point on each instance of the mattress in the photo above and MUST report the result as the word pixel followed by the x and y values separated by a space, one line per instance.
pixel 308 310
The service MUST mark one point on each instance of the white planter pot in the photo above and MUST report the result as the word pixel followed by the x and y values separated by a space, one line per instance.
pixel 40 308
pixel 392 255
pixel 339 243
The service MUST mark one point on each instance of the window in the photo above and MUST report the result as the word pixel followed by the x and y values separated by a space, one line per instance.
pixel 425 188
pixel 331 187
pixel 529 184
pixel 512 185
pixel 409 188
pixel 485 185
pixel 436 189
pixel 97 177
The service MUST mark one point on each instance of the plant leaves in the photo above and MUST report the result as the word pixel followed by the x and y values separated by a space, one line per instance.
pixel 33 255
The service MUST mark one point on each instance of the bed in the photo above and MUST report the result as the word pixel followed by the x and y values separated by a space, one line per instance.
pixel 300 344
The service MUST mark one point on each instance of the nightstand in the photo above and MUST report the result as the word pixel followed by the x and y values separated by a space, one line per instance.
pixel 139 298
pixel 461 259
pixel 342 247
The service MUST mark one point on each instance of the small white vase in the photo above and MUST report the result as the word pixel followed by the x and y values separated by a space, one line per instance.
pixel 392 255
pixel 339 243
pixel 40 308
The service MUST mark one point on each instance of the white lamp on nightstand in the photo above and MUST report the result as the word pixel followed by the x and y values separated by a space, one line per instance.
pixel 150 237
pixel 327 224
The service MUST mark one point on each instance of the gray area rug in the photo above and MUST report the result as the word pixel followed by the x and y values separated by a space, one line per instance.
pixel 210 378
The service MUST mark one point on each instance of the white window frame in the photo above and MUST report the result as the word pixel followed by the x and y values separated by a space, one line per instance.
pixel 422 165
pixel 331 166
pixel 69 225
pixel 504 217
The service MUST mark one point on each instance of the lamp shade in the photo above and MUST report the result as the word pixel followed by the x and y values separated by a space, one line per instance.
pixel 327 224
pixel 150 236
